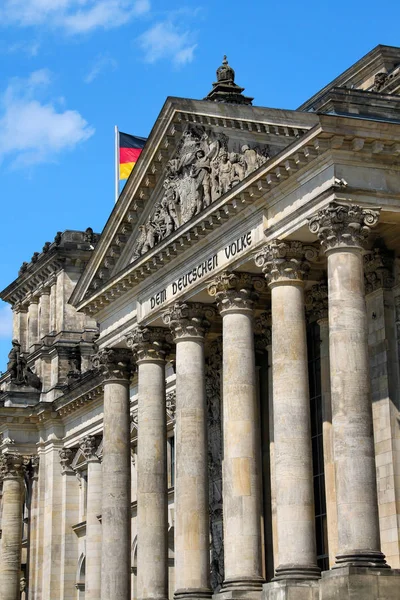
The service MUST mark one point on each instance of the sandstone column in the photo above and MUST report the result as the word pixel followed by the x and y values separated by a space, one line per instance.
pixel 285 268
pixel 33 323
pixel 93 526
pixel 33 524
pixel 149 349
pixel 242 454
pixel 192 551
pixel 343 231
pixel 116 497
pixel 317 303
pixel 44 321
pixel 11 471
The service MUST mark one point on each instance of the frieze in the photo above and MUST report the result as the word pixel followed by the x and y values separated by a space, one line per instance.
pixel 205 167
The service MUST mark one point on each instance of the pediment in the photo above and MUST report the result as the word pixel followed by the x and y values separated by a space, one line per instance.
pixel 198 153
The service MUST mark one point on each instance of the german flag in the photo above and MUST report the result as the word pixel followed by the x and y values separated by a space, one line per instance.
pixel 130 147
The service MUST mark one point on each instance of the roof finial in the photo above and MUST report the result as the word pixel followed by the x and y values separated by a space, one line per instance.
pixel 225 72
pixel 225 89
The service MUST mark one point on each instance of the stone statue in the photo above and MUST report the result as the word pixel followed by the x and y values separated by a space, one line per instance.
pixel 203 169
pixel 20 373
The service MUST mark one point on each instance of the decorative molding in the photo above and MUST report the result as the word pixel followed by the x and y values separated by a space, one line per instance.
pixel 114 363
pixel 188 319
pixel 378 270
pixel 316 301
pixel 285 260
pixel 149 343
pixel 235 291
pixel 343 225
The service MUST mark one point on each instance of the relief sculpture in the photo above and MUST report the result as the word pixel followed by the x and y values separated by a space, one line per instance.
pixel 203 170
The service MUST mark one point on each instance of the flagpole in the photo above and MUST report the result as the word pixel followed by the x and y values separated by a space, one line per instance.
pixel 116 145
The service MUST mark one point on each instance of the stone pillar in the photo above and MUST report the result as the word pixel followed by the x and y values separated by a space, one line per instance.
pixel 285 267
pixel 192 545
pixel 20 322
pixel 93 526
pixel 149 348
pixel 116 498
pixel 11 472
pixel 242 454
pixel 343 231
pixel 69 516
pixel 33 323
pixel 44 321
pixel 317 300
pixel 33 525
pixel 53 304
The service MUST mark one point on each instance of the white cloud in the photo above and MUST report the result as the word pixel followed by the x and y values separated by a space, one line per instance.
pixel 103 63
pixel 31 49
pixel 74 16
pixel 6 320
pixel 165 40
pixel 33 131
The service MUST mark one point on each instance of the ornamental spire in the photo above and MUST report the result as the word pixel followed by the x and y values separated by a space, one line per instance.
pixel 225 89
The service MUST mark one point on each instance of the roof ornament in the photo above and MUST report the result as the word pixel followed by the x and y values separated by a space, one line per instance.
pixel 225 89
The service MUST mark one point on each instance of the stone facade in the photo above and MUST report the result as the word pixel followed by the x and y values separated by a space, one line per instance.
pixel 204 400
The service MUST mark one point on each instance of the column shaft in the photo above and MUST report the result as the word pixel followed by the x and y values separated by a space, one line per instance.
pixel 44 320
pixel 241 465
pixel 358 534
pixel 32 324
pixel 116 501
pixel 93 530
pixel 152 499
pixel 191 481
pixel 11 524
pixel 292 434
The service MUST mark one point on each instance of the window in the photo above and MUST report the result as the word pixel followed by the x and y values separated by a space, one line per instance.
pixel 314 374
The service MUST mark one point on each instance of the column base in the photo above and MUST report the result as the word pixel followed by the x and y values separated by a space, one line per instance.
pixel 360 583
pixel 298 572
pixel 291 589
pixel 193 594
pixel 246 589
pixel 361 558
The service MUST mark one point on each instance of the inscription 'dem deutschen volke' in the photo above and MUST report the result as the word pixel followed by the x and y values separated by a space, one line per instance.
pixel 202 269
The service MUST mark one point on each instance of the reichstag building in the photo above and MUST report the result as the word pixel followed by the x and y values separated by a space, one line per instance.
pixel 204 399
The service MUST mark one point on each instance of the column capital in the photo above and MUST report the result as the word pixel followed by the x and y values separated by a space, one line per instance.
pixel 66 455
pixel 378 270
pixel 263 331
pixel 149 343
pixel 285 261
pixel 88 445
pixel 188 319
pixel 12 465
pixel 316 300
pixel 35 462
pixel 114 363
pixel 235 291
pixel 343 225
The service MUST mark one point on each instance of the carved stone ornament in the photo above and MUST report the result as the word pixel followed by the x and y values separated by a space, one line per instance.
pixel 316 301
pixel 114 363
pixel 343 225
pixel 285 260
pixel 88 446
pixel 263 331
pixel 206 167
pixel 235 290
pixel 171 403
pixel 20 373
pixel 149 343
pixel 12 465
pixel 378 270
pixel 66 456
pixel 188 319
pixel 35 463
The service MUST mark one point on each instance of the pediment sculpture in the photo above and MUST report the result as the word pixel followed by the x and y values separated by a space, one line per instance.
pixel 206 167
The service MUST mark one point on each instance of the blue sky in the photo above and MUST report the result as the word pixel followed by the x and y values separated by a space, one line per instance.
pixel 72 69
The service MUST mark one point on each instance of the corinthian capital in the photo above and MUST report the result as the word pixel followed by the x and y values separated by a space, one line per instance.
pixel 88 446
pixel 316 300
pixel 66 456
pixel 114 363
pixel 263 331
pixel 235 291
pixel 343 225
pixel 285 260
pixel 378 270
pixel 12 465
pixel 188 319
pixel 148 343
